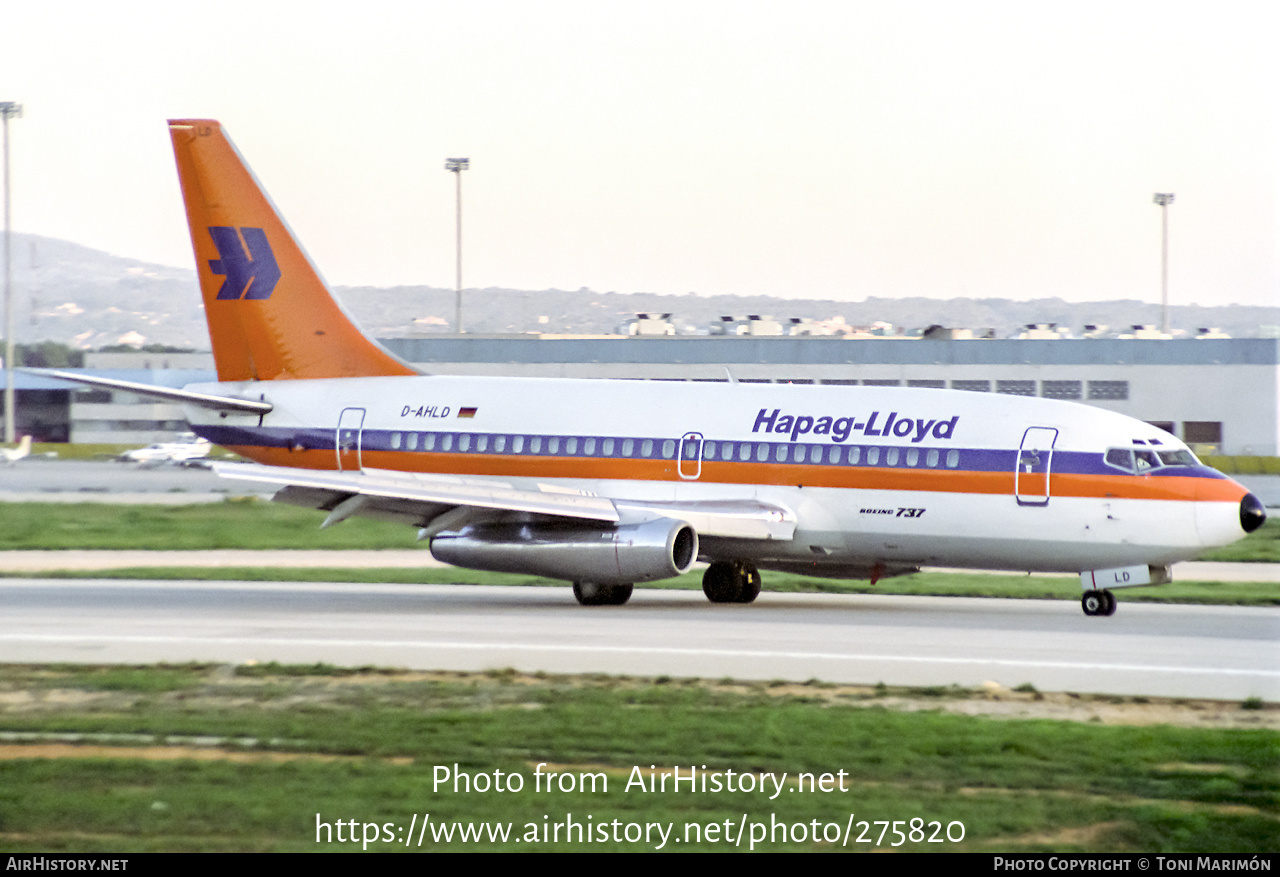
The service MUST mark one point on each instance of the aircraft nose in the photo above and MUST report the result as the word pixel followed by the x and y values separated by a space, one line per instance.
pixel 1252 513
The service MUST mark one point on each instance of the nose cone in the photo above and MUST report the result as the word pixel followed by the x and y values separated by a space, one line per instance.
pixel 1252 513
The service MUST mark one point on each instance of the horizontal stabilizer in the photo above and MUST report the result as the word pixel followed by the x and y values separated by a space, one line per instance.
pixel 169 394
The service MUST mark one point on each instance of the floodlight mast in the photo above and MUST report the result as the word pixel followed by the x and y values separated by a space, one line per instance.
pixel 1164 199
pixel 8 110
pixel 457 166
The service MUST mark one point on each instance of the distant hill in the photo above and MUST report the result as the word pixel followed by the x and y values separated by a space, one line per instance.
pixel 86 298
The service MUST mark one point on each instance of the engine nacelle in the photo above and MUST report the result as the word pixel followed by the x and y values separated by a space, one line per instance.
pixel 578 551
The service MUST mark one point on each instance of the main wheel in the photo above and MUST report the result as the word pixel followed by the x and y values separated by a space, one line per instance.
pixel 1110 608
pixel 1094 603
pixel 721 583
pixel 596 594
pixel 751 582
pixel 731 582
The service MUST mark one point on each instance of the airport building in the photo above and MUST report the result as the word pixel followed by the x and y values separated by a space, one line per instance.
pixel 1220 395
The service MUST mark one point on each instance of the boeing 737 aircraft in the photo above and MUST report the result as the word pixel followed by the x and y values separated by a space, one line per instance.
pixel 608 483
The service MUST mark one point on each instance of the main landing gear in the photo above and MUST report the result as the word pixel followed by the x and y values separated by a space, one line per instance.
pixel 594 594
pixel 731 582
pixel 1098 603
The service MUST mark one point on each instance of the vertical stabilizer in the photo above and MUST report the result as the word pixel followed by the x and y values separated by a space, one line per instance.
pixel 270 315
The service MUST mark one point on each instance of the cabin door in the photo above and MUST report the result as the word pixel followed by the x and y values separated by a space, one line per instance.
pixel 347 440
pixel 1035 460
pixel 689 456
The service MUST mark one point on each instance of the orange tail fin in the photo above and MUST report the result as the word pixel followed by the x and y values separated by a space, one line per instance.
pixel 270 315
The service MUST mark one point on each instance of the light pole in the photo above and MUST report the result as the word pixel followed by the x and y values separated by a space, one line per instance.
pixel 1164 199
pixel 457 166
pixel 8 109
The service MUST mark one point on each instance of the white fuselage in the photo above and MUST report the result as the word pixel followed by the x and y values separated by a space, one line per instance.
pixel 873 475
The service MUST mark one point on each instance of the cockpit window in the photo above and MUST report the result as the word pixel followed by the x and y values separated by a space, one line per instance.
pixel 1121 458
pixel 1146 460
pixel 1141 460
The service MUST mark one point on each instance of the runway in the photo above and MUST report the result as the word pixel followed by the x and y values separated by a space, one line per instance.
pixel 1220 652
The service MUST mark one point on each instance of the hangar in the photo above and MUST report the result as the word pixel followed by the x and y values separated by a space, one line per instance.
pixel 1221 395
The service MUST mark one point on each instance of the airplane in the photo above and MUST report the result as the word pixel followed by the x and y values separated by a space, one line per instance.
pixel 11 456
pixel 608 483
pixel 181 453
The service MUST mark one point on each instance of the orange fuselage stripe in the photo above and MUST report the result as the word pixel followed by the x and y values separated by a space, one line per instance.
pixel 850 477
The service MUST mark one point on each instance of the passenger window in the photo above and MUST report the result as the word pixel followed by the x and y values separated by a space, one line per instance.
pixel 953 458
pixel 589 447
pixel 855 454
pixel 571 446
pixel 446 442
pixel 873 456
pixel 931 459
pixel 553 444
pixel 464 442
pixel 762 452
pixel 668 449
pixel 891 457
pixel 482 443
pixel 628 447
pixel 429 442
pixel 608 447
pixel 413 441
pixel 535 444
pixel 833 455
pixel 708 450
pixel 395 441
pixel 517 444
pixel 499 443
pixel 646 448
pixel 780 453
pixel 913 456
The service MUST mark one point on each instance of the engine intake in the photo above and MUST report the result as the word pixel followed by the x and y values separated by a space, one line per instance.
pixel 624 553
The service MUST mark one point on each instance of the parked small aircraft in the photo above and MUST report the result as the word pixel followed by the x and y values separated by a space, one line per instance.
pixel 190 452
pixel 11 456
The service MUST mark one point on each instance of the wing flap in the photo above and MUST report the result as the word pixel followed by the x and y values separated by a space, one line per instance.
pixel 732 519
pixel 420 498
pixel 430 490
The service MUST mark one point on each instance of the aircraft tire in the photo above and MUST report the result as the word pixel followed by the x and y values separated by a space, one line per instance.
pixel 751 581
pixel 722 583
pixel 595 594
pixel 1110 608
pixel 1093 603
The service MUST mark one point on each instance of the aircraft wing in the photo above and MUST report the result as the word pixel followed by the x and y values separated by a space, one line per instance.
pixel 435 502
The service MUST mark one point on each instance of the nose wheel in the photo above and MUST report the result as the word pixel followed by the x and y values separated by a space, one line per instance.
pixel 1098 603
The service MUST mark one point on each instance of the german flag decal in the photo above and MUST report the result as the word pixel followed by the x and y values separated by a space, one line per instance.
pixel 466 412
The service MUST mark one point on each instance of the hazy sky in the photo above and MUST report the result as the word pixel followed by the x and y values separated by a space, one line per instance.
pixel 836 149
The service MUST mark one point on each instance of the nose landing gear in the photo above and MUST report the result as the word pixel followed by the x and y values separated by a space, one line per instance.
pixel 1098 603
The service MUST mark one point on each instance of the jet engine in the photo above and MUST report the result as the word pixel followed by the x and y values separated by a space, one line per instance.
pixel 617 554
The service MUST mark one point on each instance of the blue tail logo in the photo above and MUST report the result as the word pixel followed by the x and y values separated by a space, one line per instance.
pixel 249 266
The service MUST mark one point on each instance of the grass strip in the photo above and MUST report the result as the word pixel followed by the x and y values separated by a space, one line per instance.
pixel 376 741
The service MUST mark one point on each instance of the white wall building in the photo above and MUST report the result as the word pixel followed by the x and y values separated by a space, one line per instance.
pixel 1220 395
